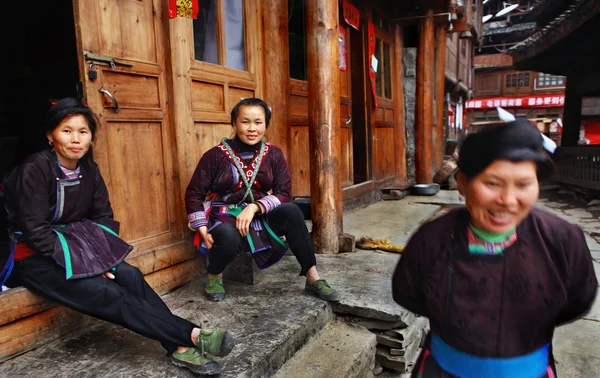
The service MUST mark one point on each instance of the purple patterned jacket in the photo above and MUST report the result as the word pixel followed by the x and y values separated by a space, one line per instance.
pixel 216 174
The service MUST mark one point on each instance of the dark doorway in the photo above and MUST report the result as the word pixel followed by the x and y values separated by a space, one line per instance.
pixel 361 133
pixel 38 66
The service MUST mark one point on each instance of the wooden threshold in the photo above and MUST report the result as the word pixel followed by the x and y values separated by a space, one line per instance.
pixel 365 187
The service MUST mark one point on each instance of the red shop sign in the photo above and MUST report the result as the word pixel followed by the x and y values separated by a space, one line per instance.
pixel 541 101
pixel 351 15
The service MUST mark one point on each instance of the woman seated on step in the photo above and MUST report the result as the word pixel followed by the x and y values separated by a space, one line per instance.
pixel 66 246
pixel 239 201
pixel 496 277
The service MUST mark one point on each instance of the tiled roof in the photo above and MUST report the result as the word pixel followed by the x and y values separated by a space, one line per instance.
pixel 487 30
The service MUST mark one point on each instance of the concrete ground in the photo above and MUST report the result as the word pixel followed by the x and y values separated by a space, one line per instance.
pixel 577 345
pixel 274 319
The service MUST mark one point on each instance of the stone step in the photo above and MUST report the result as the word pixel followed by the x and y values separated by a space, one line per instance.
pixel 339 350
pixel 271 322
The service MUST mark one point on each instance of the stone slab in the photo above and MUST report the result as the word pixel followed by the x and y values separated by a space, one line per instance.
pixel 363 279
pixel 271 321
pixel 406 335
pixel 389 341
pixel 394 220
pixel 339 351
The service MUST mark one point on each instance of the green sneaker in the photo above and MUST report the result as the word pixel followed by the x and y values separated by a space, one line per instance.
pixel 196 361
pixel 322 290
pixel 215 341
pixel 215 291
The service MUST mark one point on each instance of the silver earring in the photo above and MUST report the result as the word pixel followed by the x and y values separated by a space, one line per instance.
pixel 50 143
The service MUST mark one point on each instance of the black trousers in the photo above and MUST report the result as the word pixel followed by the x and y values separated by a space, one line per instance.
pixel 127 300
pixel 286 220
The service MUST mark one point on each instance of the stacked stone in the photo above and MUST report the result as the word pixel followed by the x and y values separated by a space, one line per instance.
pixel 399 348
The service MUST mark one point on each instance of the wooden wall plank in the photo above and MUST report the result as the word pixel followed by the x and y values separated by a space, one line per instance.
pixel 277 70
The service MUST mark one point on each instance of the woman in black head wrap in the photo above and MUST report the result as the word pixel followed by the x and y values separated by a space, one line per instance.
pixel 497 276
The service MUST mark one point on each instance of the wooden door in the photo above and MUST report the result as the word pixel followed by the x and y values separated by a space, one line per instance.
pixel 384 125
pixel 135 147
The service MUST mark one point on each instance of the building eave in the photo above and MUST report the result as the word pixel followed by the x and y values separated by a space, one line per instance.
pixel 580 12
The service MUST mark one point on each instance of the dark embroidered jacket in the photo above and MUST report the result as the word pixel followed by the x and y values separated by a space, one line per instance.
pixel 50 211
pixel 496 305
pixel 216 174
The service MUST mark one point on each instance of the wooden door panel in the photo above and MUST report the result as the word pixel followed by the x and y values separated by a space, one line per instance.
pixel 135 147
pixel 208 96
pixel 384 151
pixel 127 29
pixel 347 158
pixel 300 171
pixel 132 91
pixel 139 201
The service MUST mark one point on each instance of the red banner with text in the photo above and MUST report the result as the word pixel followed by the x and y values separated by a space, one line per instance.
pixel 372 73
pixel 351 14
pixel 540 101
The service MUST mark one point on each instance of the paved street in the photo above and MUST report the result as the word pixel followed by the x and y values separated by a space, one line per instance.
pixel 577 345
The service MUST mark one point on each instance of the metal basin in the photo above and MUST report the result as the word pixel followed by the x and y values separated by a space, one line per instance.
pixel 425 189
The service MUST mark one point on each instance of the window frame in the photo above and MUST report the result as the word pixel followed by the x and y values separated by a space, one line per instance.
pixel 544 81
pixel 251 33
pixel 384 37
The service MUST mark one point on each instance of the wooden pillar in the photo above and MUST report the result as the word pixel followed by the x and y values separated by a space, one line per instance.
pixel 324 123
pixel 401 171
pixel 571 114
pixel 440 85
pixel 424 100
pixel 276 85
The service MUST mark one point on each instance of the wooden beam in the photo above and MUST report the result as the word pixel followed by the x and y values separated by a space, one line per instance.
pixel 440 84
pixel 398 76
pixel 324 123
pixel 276 89
pixel 571 114
pixel 424 100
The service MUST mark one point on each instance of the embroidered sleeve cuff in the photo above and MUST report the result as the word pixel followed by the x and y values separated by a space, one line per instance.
pixel 269 202
pixel 197 220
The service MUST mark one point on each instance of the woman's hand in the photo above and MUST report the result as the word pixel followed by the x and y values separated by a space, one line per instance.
pixel 243 220
pixel 206 237
pixel 108 275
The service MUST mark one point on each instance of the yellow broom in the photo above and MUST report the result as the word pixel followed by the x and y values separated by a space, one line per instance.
pixel 381 244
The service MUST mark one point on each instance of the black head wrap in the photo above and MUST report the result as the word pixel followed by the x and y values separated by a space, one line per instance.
pixel 516 141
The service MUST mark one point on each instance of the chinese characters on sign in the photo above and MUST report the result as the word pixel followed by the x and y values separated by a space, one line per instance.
pixel 351 15
pixel 541 101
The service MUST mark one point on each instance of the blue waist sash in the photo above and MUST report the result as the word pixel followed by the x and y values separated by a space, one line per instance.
pixel 463 365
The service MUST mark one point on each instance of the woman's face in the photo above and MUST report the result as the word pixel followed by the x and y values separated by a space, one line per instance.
pixel 250 124
pixel 71 139
pixel 501 196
